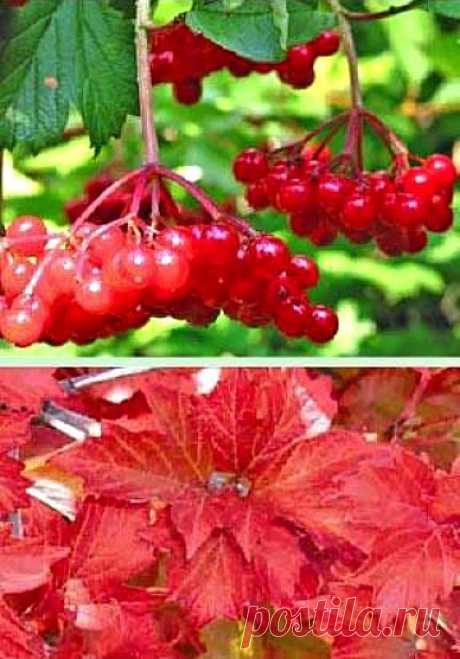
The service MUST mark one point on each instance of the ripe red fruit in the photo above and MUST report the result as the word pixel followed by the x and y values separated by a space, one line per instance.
pixel 61 272
pixel 301 57
pixel 304 270
pixel 322 324
pixel 23 324
pixel 218 244
pixel 25 227
pixel 359 212
pixel 189 91
pixel 442 169
pixel 267 255
pixel 411 210
pixel 93 294
pixel 137 263
pixel 103 246
pixel 281 288
pixel 294 196
pixel 170 274
pixel 440 216
pixel 97 185
pixel 251 165
pixel 418 181
pixel 333 191
pixel 16 274
pixel 327 43
pixel 180 239
pixel 256 195
pixel 292 317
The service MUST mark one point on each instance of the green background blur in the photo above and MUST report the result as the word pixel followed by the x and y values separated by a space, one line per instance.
pixel 410 68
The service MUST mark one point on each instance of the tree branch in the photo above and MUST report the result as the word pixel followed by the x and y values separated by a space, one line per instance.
pixel 386 13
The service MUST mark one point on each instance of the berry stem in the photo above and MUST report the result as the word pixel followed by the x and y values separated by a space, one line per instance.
pixel 348 43
pixel 143 15
pixel 108 192
pixel 396 147
pixel 386 13
pixel 205 202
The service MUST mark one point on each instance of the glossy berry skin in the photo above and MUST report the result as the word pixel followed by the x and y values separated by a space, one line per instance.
pixel 93 295
pixel 218 244
pixel 137 264
pixel 251 165
pixel 292 317
pixel 304 270
pixel 104 245
pixel 411 210
pixel 442 169
pixel 180 239
pixel 294 196
pixel 24 227
pixel 419 182
pixel 322 324
pixel 170 274
pixel 327 43
pixel 257 196
pixel 61 273
pixel 23 324
pixel 359 212
pixel 267 255
pixel 15 276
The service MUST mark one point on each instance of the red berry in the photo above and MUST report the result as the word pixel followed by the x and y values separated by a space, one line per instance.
pixel 440 216
pixel 93 295
pixel 416 241
pixel 333 191
pixel 442 169
pixel 22 325
pixel 74 208
pixel 170 274
pixel 267 255
pixel 137 264
pixel 103 246
pixel 304 270
pixel 294 196
pixel 292 317
pixel 256 195
pixel 301 58
pixel 327 43
pixel 16 274
pixel 218 244
pixel 281 288
pixel 188 92
pixel 410 211
pixel 322 324
pixel 180 239
pixel 61 272
pixel 418 181
pixel 27 227
pixel 359 212
pixel 250 166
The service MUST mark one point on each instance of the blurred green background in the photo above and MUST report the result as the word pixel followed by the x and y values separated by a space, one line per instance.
pixel 410 306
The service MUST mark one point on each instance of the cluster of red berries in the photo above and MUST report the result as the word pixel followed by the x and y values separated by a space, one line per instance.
pixel 104 279
pixel 394 208
pixel 183 58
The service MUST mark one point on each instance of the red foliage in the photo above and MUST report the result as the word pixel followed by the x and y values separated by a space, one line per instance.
pixel 211 490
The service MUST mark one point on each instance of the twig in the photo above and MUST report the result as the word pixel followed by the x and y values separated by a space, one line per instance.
pixel 386 13
pixel 145 95
pixel 72 424
pixel 72 385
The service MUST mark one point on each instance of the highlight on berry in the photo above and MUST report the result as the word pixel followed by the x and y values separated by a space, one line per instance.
pixel 313 159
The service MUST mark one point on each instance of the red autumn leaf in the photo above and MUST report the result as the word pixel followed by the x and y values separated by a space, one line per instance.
pixel 16 641
pixel 376 399
pixel 25 564
pixel 434 426
pixel 213 459
pixel 22 393
pixel 12 486
pixel 412 533
pixel 106 546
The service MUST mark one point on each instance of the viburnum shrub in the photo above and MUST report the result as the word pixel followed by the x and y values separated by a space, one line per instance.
pixel 133 251
pixel 144 515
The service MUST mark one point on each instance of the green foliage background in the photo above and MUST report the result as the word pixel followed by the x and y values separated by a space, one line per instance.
pixel 410 306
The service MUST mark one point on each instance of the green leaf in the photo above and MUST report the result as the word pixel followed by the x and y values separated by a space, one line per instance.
pixel 64 53
pixel 281 20
pixel 251 30
pixel 449 8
